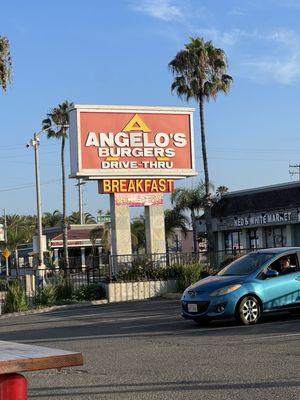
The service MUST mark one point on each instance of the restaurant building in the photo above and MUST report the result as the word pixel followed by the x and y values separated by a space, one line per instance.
pixel 258 218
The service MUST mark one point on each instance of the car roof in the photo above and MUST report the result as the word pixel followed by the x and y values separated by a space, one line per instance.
pixel 278 250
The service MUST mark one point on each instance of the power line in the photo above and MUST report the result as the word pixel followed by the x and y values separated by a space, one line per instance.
pixel 27 186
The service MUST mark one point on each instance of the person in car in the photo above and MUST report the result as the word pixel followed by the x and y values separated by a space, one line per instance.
pixel 285 266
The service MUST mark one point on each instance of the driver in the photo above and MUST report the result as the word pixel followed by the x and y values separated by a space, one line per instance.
pixel 285 266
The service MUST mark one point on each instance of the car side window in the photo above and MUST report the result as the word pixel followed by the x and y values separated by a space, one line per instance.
pixel 286 264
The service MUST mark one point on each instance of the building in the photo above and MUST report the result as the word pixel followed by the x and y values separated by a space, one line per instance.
pixel 79 245
pixel 79 242
pixel 258 218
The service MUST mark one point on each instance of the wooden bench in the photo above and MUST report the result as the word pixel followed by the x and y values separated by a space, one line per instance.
pixel 17 357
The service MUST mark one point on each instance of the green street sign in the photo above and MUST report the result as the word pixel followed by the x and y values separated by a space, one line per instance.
pixel 103 218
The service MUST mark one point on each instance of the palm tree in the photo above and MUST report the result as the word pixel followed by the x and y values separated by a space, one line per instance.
pixel 138 234
pixel 174 219
pixel 58 120
pixel 220 191
pixel 74 218
pixel 200 71
pixel 192 200
pixel 5 63
pixel 52 219
pixel 101 232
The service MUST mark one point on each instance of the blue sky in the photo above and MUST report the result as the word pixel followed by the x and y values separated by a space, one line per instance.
pixel 117 52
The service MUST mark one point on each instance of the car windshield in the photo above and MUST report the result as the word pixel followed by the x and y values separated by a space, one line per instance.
pixel 246 264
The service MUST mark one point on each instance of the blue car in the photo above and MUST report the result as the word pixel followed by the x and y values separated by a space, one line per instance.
pixel 259 282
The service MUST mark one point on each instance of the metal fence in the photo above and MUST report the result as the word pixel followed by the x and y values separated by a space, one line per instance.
pixel 106 268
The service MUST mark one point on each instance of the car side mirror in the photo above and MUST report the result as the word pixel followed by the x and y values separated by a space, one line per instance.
pixel 271 273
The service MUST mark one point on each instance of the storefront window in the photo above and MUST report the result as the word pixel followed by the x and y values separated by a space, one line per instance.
pixel 232 241
pixel 253 238
pixel 276 237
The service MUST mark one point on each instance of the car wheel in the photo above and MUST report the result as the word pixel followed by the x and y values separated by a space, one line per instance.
pixel 202 321
pixel 249 310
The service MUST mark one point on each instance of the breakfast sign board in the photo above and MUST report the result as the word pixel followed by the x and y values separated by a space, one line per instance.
pixel 112 142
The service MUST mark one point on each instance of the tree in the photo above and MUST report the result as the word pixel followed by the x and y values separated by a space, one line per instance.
pixel 52 219
pixel 174 219
pixel 192 200
pixel 74 218
pixel 221 190
pixel 58 121
pixel 138 234
pixel 101 232
pixel 200 71
pixel 5 63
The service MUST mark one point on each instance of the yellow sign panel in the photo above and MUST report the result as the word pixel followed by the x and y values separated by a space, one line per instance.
pixel 6 253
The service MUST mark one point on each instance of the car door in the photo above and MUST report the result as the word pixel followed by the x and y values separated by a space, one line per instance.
pixel 283 290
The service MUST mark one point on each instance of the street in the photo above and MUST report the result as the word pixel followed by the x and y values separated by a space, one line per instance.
pixel 145 350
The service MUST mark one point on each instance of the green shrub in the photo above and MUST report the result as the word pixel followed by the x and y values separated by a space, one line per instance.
pixel 15 298
pixel 189 274
pixel 3 285
pixel 47 296
pixel 64 290
pixel 185 274
pixel 89 293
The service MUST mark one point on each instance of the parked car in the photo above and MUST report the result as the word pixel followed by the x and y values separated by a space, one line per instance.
pixel 260 282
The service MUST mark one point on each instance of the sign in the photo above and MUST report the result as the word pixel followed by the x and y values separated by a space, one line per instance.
pixel 136 186
pixel 267 218
pixel 122 142
pixel 103 218
pixel 2 233
pixel 35 244
pixel 6 253
pixel 263 219
pixel 138 200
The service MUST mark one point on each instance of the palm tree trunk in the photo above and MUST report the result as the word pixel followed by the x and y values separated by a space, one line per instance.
pixel 207 206
pixel 64 216
pixel 195 243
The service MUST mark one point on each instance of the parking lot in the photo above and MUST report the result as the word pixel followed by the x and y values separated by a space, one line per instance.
pixel 144 350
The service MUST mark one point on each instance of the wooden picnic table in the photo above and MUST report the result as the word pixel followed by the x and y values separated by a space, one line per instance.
pixel 18 357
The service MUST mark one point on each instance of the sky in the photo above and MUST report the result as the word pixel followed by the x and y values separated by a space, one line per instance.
pixel 117 53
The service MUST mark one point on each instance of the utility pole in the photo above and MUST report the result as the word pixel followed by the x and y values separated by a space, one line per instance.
pixel 297 167
pixel 80 200
pixel 35 143
pixel 5 240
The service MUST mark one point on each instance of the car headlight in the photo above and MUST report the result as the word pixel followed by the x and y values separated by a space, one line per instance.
pixel 225 290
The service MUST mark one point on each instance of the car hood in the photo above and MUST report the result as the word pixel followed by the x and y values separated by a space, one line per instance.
pixel 215 282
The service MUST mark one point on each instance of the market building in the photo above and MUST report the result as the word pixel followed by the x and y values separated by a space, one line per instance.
pixel 262 217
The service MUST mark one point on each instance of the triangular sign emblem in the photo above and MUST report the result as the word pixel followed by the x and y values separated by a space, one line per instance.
pixel 137 125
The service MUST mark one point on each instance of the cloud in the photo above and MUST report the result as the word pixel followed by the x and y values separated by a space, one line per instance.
pixel 283 66
pixel 280 53
pixel 281 71
pixel 165 10
pixel 237 12
pixel 222 39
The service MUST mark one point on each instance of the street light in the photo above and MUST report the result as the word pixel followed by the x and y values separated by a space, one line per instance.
pixel 35 142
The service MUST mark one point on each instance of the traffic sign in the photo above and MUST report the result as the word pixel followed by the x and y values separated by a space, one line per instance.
pixel 6 253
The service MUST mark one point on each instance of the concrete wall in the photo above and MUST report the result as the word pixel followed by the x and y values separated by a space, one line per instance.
pixel 125 291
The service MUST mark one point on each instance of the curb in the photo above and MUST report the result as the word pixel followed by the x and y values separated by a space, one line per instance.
pixel 172 296
pixel 54 308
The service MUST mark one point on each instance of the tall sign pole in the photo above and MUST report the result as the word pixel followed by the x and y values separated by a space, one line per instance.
pixel 5 239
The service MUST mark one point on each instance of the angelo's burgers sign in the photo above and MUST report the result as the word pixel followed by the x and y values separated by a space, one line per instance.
pixel 127 142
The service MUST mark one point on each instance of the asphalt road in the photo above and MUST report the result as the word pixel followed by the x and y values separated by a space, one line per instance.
pixel 144 350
